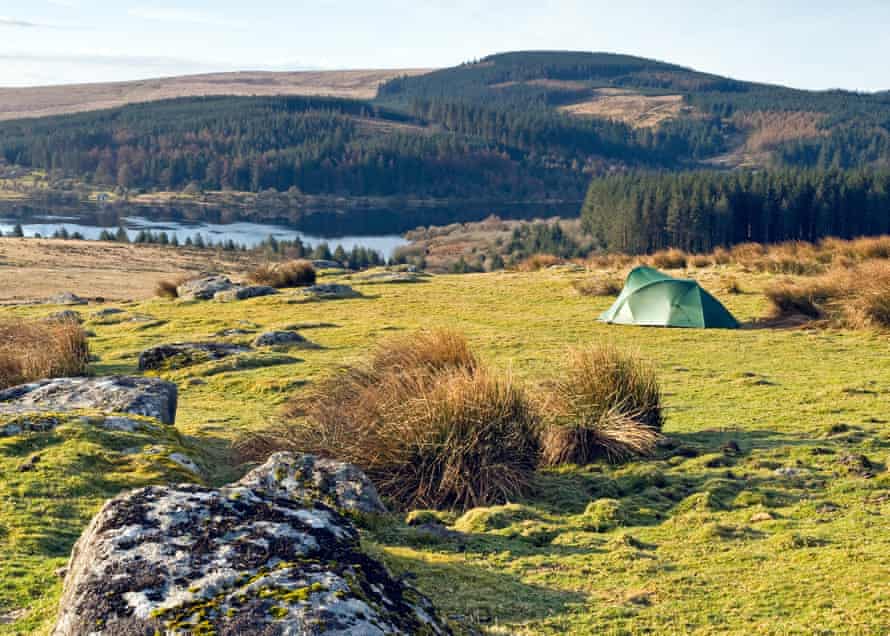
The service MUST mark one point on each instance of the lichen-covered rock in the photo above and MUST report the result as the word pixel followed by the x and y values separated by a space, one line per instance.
pixel 105 313
pixel 282 339
pixel 311 478
pixel 244 559
pixel 203 288
pixel 68 315
pixel 328 291
pixel 150 397
pixel 66 298
pixel 182 354
pixel 243 293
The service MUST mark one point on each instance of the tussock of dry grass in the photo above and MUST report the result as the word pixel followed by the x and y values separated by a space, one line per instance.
pixel 168 289
pixel 537 262
pixel 599 286
pixel 297 273
pixel 857 296
pixel 670 259
pixel 429 425
pixel 33 350
pixel 606 404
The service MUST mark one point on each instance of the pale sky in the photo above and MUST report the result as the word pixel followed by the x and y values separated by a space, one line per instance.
pixel 814 44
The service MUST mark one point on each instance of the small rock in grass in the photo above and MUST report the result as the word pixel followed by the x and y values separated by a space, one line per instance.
pixel 183 354
pixel 150 397
pixel 282 339
pixel 30 463
pixel 66 298
pixel 331 291
pixel 104 313
pixel 65 316
pixel 858 465
pixel 243 293
pixel 759 517
pixel 203 287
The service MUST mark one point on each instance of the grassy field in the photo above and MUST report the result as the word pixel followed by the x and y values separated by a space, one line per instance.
pixel 769 512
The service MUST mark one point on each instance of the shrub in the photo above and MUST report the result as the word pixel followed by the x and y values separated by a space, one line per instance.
pixel 599 286
pixel 428 424
pixel 297 273
pixel 167 289
pixel 670 259
pixel 607 404
pixel 537 262
pixel 33 350
pixel 700 260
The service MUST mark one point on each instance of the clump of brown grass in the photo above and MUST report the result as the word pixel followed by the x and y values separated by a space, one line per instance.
pixel 870 305
pixel 670 259
pixel 609 260
pixel 856 297
pixel 167 289
pixel 802 298
pixel 37 349
pixel 721 256
pixel 428 424
pixel 700 260
pixel 537 262
pixel 606 404
pixel 296 273
pixel 598 286
pixel 731 285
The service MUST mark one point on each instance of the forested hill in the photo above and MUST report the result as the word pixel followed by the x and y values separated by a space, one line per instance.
pixel 527 126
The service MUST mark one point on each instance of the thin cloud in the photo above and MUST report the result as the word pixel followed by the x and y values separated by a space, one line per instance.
pixel 104 60
pixel 180 16
pixel 20 24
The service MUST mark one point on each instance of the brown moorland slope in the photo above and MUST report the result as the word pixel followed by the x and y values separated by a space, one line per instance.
pixel 35 269
pixel 41 101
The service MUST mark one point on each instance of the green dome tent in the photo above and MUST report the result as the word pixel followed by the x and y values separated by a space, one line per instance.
pixel 655 299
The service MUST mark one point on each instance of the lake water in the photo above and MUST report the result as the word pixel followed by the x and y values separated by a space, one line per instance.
pixel 241 232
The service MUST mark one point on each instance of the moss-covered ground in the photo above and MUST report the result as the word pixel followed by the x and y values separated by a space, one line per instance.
pixel 769 512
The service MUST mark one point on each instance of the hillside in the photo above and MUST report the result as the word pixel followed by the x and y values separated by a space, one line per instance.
pixel 526 126
pixel 42 101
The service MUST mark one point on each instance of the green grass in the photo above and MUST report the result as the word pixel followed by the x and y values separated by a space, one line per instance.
pixel 666 545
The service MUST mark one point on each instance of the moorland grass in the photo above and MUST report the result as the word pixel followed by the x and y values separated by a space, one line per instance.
pixel 428 424
pixel 606 404
pixel 35 349
pixel 857 296
pixel 748 519
pixel 295 273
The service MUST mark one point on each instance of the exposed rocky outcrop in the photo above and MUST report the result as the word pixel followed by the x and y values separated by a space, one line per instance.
pixel 283 339
pixel 255 557
pixel 203 288
pixel 244 292
pixel 150 397
pixel 182 354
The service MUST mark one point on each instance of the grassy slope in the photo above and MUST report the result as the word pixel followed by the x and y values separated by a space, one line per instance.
pixel 676 553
